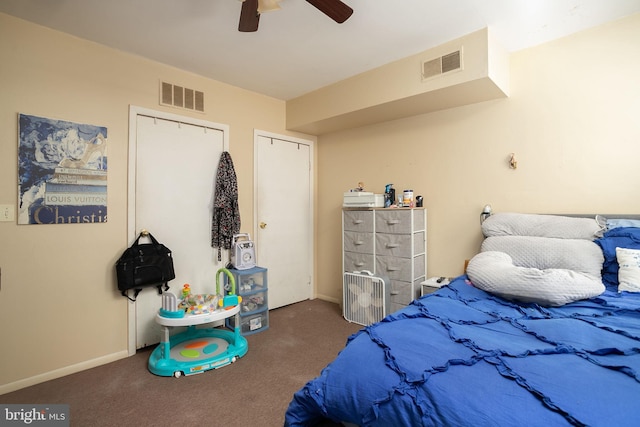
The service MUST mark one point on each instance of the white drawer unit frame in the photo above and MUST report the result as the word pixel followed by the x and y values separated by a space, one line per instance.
pixel 391 243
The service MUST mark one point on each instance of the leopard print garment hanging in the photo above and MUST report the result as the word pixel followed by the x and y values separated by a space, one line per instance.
pixel 226 214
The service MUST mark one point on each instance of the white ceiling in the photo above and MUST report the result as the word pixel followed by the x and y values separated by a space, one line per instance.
pixel 298 49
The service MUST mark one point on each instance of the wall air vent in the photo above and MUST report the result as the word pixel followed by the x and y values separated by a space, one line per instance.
pixel 181 97
pixel 442 65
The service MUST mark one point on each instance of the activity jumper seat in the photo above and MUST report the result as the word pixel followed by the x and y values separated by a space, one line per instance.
pixel 197 350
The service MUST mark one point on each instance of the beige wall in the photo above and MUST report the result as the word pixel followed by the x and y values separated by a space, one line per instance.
pixel 59 308
pixel 572 120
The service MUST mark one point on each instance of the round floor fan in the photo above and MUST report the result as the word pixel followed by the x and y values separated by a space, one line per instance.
pixel 251 10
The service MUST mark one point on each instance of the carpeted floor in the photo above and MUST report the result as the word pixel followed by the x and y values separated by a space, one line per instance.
pixel 254 391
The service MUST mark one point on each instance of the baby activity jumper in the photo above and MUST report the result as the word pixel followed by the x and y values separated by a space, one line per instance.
pixel 197 350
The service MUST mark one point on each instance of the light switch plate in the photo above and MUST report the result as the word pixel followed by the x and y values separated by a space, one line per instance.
pixel 7 212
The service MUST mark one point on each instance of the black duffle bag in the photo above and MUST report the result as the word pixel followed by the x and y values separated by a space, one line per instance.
pixel 143 265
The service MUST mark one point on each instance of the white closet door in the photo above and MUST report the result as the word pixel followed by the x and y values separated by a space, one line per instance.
pixel 175 168
pixel 284 217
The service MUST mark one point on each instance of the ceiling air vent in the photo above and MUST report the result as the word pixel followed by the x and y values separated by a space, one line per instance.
pixel 442 65
pixel 181 97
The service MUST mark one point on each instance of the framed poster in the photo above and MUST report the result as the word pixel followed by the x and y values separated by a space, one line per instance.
pixel 62 172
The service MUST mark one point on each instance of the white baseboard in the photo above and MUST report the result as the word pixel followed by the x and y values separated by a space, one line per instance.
pixel 58 373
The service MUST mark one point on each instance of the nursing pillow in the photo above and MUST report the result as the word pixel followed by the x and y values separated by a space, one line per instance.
pixel 579 255
pixel 494 272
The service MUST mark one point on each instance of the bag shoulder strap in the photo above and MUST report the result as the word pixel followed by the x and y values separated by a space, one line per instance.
pixel 135 294
pixel 162 286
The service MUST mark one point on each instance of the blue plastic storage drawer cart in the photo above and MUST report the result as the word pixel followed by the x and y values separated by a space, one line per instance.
pixel 252 286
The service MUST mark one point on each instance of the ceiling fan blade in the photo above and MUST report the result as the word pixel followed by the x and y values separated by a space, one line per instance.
pixel 249 16
pixel 334 9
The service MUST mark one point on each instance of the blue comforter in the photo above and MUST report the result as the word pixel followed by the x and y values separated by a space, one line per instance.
pixel 462 357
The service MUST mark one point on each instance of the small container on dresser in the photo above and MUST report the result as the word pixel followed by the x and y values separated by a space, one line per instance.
pixel 390 243
pixel 251 285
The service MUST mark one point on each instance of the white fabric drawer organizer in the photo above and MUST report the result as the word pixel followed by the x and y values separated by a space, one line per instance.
pixel 391 243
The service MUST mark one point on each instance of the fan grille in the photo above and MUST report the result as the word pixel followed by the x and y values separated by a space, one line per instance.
pixel 365 298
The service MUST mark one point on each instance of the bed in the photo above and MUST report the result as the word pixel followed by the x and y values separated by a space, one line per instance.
pixel 542 330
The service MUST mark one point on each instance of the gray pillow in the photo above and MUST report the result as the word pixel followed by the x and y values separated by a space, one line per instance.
pixel 561 227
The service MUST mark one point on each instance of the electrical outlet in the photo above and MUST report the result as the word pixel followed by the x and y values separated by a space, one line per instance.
pixel 7 212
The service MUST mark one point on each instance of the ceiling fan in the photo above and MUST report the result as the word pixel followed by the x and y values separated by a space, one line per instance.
pixel 251 10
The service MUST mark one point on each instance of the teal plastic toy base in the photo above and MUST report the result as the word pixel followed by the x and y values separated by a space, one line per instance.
pixel 197 350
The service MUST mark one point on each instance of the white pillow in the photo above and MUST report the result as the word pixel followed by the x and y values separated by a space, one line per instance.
pixel 629 272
